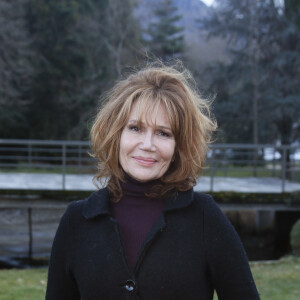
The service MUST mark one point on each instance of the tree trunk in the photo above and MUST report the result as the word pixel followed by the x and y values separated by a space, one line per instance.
pixel 253 58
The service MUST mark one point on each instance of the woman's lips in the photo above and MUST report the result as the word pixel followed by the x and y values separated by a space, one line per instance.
pixel 144 161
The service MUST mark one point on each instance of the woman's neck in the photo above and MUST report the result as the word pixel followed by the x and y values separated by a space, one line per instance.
pixel 134 188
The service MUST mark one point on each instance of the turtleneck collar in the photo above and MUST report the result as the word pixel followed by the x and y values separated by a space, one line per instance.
pixel 137 189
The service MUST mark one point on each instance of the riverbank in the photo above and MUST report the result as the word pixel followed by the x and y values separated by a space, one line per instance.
pixel 29 219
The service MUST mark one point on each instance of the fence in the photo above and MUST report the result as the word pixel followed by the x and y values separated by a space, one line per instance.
pixel 244 160
pixel 228 160
pixel 27 229
pixel 36 224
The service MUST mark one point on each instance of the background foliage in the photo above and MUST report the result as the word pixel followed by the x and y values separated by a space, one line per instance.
pixel 58 57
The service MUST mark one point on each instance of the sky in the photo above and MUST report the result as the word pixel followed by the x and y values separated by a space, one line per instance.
pixel 208 2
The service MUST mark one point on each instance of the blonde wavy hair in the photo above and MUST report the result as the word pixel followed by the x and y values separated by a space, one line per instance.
pixel 188 113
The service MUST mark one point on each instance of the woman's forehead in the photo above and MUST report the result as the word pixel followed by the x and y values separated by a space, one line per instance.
pixel 150 114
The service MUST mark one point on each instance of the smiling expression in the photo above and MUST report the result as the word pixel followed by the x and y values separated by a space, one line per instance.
pixel 147 147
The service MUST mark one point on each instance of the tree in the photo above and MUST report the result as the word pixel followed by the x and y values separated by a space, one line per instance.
pixel 121 34
pixel 281 90
pixel 292 11
pixel 166 38
pixel 263 73
pixel 56 59
pixel 16 72
pixel 69 65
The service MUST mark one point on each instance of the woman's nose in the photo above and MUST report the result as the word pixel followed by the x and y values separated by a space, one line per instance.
pixel 147 142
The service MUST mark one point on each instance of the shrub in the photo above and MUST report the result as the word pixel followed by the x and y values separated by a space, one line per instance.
pixel 295 238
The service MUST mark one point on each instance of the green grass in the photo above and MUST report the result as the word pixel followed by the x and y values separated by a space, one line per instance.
pixel 242 172
pixel 278 281
pixel 275 281
pixel 247 171
pixel 53 170
pixel 23 284
pixel 220 171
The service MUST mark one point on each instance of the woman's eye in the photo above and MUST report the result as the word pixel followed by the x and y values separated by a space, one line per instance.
pixel 133 128
pixel 164 134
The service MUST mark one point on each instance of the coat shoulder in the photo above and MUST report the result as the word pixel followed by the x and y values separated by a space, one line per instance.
pixel 74 211
pixel 203 199
pixel 208 204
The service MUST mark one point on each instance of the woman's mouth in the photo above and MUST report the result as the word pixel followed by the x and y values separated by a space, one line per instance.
pixel 144 161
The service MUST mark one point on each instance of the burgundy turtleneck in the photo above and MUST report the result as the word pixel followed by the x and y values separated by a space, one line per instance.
pixel 136 213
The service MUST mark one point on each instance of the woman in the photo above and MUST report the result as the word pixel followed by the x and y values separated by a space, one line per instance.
pixel 147 234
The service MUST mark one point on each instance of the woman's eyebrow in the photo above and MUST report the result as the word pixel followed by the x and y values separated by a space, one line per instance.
pixel 134 121
pixel 163 127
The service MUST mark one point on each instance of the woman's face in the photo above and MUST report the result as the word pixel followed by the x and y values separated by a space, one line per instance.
pixel 147 151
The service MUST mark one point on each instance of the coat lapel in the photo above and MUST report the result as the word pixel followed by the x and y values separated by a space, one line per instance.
pixel 97 204
pixel 177 201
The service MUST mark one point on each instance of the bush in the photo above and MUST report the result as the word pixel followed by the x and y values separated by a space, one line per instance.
pixel 295 238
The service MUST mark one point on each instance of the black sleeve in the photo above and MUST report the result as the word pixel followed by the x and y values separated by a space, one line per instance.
pixel 227 259
pixel 61 284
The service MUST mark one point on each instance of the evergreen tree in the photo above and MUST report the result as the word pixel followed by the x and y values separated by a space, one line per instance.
pixel 260 87
pixel 281 89
pixel 166 36
pixel 65 65
pixel 56 58
pixel 16 72
pixel 292 11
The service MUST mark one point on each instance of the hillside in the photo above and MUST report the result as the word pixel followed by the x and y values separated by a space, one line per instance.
pixel 199 49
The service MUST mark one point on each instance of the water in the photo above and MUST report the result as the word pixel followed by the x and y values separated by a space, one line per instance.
pixel 45 216
pixel 14 230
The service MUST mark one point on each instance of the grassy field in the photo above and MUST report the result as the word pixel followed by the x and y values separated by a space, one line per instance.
pixel 23 284
pixel 233 171
pixel 275 281
pixel 267 170
pixel 278 281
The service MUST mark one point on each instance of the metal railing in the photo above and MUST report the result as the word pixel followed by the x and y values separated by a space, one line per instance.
pixel 226 160
pixel 247 160
pixel 46 156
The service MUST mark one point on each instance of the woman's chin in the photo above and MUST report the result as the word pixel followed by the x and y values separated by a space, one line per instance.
pixel 142 176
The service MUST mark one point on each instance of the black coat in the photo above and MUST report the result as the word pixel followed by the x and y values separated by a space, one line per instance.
pixel 191 250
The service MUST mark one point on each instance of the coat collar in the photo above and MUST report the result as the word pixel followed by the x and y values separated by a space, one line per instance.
pixel 98 203
pixel 179 200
